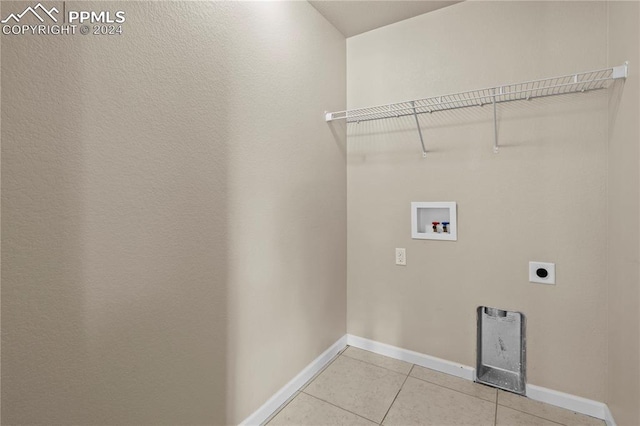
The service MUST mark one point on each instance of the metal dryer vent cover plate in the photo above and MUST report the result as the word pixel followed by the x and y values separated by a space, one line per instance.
pixel 501 349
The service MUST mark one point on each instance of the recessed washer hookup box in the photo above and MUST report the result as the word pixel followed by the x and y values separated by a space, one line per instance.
pixel 501 349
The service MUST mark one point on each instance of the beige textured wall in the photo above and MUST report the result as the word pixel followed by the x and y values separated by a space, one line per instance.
pixel 623 219
pixel 543 197
pixel 173 213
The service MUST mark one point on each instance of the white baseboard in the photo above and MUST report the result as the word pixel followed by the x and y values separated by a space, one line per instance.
pixel 412 357
pixel 608 417
pixel 288 390
pixel 570 402
pixel 537 393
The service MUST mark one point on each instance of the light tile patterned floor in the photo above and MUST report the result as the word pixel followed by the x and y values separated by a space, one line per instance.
pixel 363 388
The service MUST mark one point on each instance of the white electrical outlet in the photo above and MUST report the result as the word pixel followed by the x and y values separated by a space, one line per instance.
pixel 542 272
pixel 401 256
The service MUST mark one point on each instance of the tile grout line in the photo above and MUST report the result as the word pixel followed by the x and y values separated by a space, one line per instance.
pixel 396 397
pixel 281 408
pixel 407 375
pixel 541 418
pixel 452 389
pixel 304 386
pixel 337 406
pixel 331 361
pixel 535 415
pixel 371 363
pixel 420 378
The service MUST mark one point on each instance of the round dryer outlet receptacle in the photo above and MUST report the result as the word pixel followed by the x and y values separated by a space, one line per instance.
pixel 542 272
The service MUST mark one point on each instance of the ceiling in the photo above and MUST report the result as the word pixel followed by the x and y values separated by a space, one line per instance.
pixel 355 17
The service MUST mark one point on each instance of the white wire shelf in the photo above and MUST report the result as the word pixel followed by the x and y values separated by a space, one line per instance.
pixel 572 83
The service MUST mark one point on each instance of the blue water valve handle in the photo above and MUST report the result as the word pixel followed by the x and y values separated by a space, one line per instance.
pixel 445 226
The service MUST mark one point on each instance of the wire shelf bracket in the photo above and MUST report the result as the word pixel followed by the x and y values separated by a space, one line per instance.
pixel 572 83
pixel 415 114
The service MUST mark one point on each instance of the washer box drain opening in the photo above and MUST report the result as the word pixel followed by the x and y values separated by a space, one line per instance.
pixel 501 352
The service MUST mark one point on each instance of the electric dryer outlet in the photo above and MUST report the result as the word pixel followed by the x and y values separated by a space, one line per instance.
pixel 542 272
